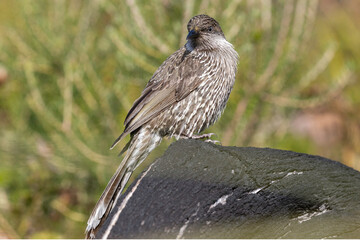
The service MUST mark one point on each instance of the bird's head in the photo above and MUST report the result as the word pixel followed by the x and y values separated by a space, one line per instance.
pixel 202 30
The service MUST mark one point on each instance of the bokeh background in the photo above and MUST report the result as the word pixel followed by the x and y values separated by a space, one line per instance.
pixel 70 71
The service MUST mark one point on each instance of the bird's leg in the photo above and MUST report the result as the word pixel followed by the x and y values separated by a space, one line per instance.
pixel 203 136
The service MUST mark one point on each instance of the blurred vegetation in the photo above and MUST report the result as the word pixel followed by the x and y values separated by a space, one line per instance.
pixel 70 71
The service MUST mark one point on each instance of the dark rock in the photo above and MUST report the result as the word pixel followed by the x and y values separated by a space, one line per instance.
pixel 202 190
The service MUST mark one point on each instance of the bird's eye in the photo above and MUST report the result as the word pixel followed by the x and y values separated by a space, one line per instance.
pixel 210 29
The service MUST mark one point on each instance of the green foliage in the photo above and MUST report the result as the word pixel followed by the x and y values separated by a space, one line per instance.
pixel 75 67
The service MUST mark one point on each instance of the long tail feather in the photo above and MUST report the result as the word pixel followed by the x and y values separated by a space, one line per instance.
pixel 141 144
pixel 118 140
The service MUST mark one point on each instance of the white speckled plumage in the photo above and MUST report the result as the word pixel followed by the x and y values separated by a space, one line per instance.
pixel 209 98
pixel 187 94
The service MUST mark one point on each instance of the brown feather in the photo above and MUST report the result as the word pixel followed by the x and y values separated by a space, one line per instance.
pixel 185 95
pixel 157 97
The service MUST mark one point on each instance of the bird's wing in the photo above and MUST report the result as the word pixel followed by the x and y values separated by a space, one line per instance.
pixel 177 77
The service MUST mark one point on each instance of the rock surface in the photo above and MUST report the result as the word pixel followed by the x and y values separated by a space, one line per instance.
pixel 202 190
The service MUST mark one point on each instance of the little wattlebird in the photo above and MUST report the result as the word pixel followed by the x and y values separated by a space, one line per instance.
pixel 186 94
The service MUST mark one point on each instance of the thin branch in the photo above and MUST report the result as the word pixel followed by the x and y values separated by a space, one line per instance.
pixel 318 68
pixel 135 56
pixel 280 44
pixel 145 29
pixel 297 29
pixel 266 18
pixel 231 8
pixel 68 98
pixel 309 23
pixel 187 14
pixel 344 80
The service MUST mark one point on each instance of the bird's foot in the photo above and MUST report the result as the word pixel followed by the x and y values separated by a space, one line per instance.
pixel 213 141
pixel 206 136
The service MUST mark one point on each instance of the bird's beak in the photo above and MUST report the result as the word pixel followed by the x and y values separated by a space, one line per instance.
pixel 193 33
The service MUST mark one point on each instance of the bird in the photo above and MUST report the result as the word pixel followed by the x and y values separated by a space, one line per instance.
pixel 185 95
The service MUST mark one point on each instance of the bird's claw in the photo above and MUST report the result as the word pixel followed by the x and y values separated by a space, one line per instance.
pixel 203 136
pixel 207 135
pixel 212 141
